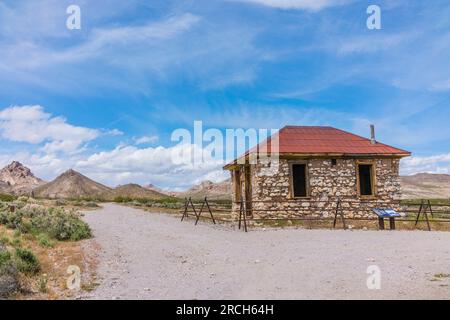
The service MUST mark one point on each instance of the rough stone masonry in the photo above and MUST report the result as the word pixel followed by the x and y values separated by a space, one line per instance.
pixel 327 181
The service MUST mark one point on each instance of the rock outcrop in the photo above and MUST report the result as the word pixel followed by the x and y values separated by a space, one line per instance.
pixel 18 179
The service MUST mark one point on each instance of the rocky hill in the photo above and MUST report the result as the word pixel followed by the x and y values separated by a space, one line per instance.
pixel 72 185
pixel 18 179
pixel 154 188
pixel 426 185
pixel 215 191
pixel 135 191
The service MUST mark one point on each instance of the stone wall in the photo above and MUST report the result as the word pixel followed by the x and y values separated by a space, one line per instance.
pixel 327 183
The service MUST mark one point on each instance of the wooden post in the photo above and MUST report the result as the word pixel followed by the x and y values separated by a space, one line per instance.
pixel 339 211
pixel 392 223
pixel 381 223
pixel 245 220
pixel 431 210
pixel 210 212
pixel 428 222
pixel 240 214
pixel 420 211
pixel 193 207
pixel 185 214
pixel 423 209
pixel 200 213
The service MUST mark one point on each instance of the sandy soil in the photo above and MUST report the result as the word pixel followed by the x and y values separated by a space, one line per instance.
pixel 155 256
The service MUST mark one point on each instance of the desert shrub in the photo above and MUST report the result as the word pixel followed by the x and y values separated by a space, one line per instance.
pixel 91 204
pixel 57 223
pixel 61 202
pixel 4 240
pixel 45 241
pixel 7 197
pixel 10 219
pixel 77 203
pixel 121 199
pixel 16 242
pixel 5 257
pixel 84 203
pixel 61 225
pixel 26 261
pixel 162 204
pixel 32 210
pixel 22 199
pixel 4 217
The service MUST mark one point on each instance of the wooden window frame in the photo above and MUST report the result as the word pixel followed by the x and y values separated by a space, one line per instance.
pixel 291 179
pixel 373 178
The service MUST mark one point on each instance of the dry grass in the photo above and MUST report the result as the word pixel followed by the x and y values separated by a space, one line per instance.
pixel 50 282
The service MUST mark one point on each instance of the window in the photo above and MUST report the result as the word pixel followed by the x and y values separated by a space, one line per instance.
pixel 365 174
pixel 299 183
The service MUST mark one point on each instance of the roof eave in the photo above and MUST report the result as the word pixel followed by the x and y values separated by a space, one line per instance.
pixel 234 165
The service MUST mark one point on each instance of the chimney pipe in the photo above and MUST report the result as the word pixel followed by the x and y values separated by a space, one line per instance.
pixel 372 134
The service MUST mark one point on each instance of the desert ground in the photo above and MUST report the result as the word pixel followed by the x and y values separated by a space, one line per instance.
pixel 155 256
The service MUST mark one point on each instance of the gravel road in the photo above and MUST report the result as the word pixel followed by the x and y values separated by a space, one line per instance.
pixel 155 256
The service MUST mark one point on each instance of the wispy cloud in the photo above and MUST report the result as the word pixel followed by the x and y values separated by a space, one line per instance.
pixel 146 139
pixel 32 125
pixel 312 5
pixel 432 164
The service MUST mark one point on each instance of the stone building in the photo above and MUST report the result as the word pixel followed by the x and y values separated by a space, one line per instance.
pixel 313 168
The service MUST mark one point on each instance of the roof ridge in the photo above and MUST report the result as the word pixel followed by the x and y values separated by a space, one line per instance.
pixel 294 126
pixel 377 142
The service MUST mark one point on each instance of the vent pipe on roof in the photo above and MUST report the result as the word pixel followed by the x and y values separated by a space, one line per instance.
pixel 372 134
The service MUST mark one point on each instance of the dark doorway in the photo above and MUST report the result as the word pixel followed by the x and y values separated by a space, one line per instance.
pixel 299 180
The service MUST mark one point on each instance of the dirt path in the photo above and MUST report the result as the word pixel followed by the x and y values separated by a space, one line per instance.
pixel 155 256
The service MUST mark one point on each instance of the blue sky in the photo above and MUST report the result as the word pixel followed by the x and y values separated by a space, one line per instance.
pixel 105 99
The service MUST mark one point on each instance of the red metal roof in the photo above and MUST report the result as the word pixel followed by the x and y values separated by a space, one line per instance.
pixel 328 140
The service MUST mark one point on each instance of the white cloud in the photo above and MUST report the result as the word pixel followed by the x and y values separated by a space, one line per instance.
pixel 132 57
pixel 431 164
pixel 312 5
pixel 103 39
pixel 441 86
pixel 368 44
pixel 113 132
pixel 146 139
pixel 126 164
pixel 32 125
pixel 101 42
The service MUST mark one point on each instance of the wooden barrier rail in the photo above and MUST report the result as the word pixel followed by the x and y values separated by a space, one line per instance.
pixel 425 208
pixel 190 204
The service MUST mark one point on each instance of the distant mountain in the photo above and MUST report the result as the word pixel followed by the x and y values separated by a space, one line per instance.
pixel 209 189
pixel 154 188
pixel 426 185
pixel 71 185
pixel 135 191
pixel 18 179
